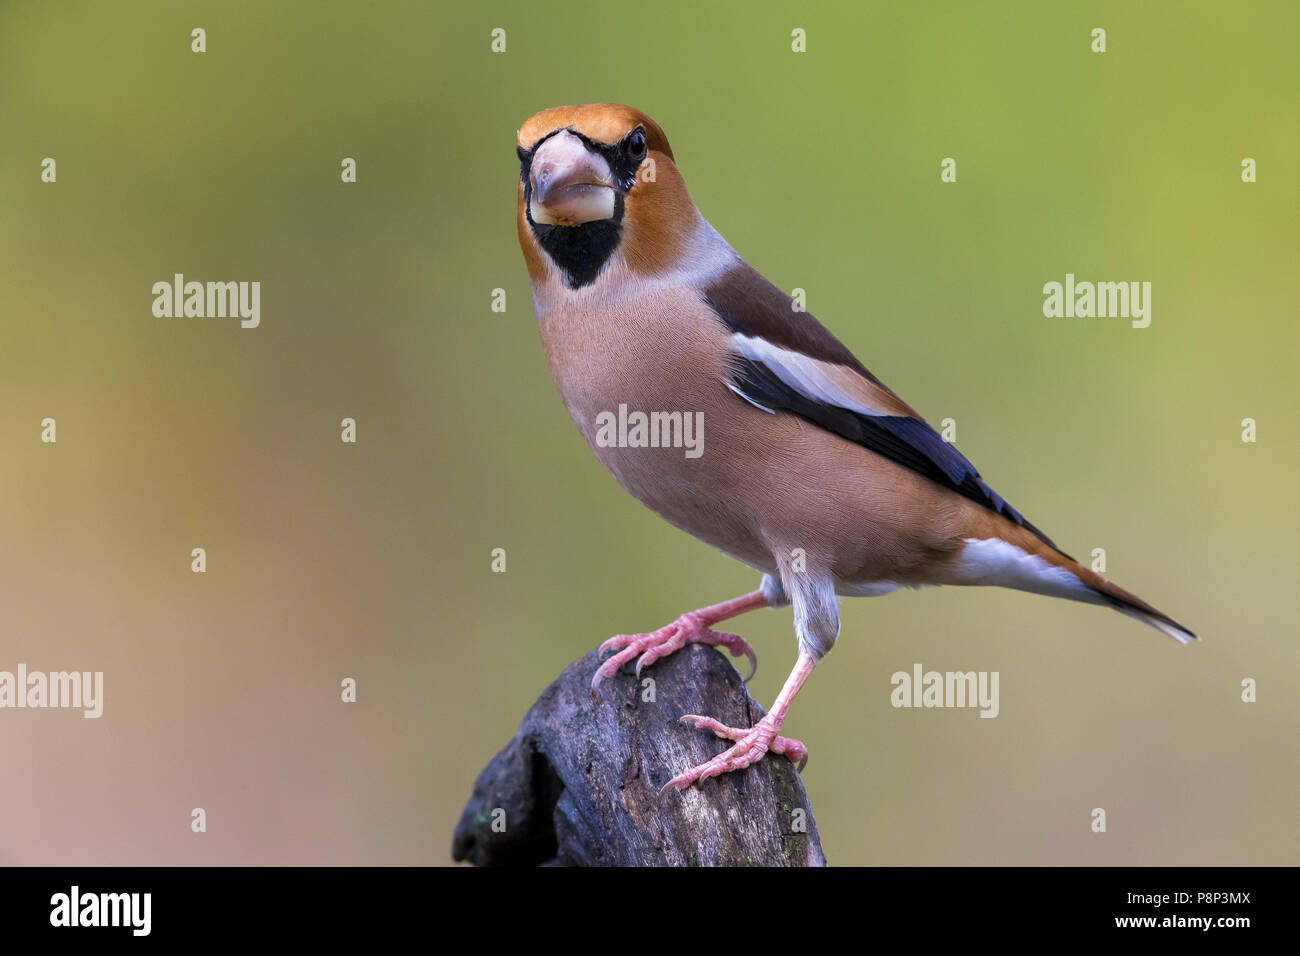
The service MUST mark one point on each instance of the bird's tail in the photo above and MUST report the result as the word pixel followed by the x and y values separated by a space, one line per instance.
pixel 1017 559
pixel 1128 603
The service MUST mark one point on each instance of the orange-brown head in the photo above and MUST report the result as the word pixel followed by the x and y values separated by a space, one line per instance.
pixel 598 184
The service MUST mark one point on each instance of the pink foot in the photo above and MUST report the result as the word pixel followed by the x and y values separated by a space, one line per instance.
pixel 751 744
pixel 690 628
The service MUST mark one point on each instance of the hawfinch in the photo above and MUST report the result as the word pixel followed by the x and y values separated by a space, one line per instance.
pixel 806 467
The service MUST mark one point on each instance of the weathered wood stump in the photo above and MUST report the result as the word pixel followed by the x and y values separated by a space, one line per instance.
pixel 579 784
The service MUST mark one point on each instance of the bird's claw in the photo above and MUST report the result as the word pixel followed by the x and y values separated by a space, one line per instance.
pixel 750 745
pixel 648 648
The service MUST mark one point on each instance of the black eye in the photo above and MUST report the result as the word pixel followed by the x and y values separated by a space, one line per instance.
pixel 636 144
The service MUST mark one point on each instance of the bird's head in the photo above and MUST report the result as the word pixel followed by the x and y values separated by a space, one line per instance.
pixel 597 185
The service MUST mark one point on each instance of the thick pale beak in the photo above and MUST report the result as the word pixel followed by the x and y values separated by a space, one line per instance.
pixel 570 184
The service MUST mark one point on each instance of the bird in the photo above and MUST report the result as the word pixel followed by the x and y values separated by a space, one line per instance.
pixel 809 469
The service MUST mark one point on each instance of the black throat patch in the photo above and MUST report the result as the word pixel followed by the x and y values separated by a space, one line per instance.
pixel 581 251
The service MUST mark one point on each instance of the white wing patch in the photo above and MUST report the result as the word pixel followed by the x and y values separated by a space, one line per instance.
pixel 750 400
pixel 821 381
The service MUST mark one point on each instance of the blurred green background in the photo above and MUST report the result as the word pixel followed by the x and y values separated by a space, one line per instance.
pixel 328 560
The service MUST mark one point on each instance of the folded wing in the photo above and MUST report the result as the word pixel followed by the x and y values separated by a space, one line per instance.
pixel 786 361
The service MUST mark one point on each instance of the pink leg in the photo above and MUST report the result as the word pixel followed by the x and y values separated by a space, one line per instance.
pixel 693 627
pixel 751 742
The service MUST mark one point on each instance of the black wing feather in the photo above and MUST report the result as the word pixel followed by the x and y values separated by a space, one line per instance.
pixel 909 441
